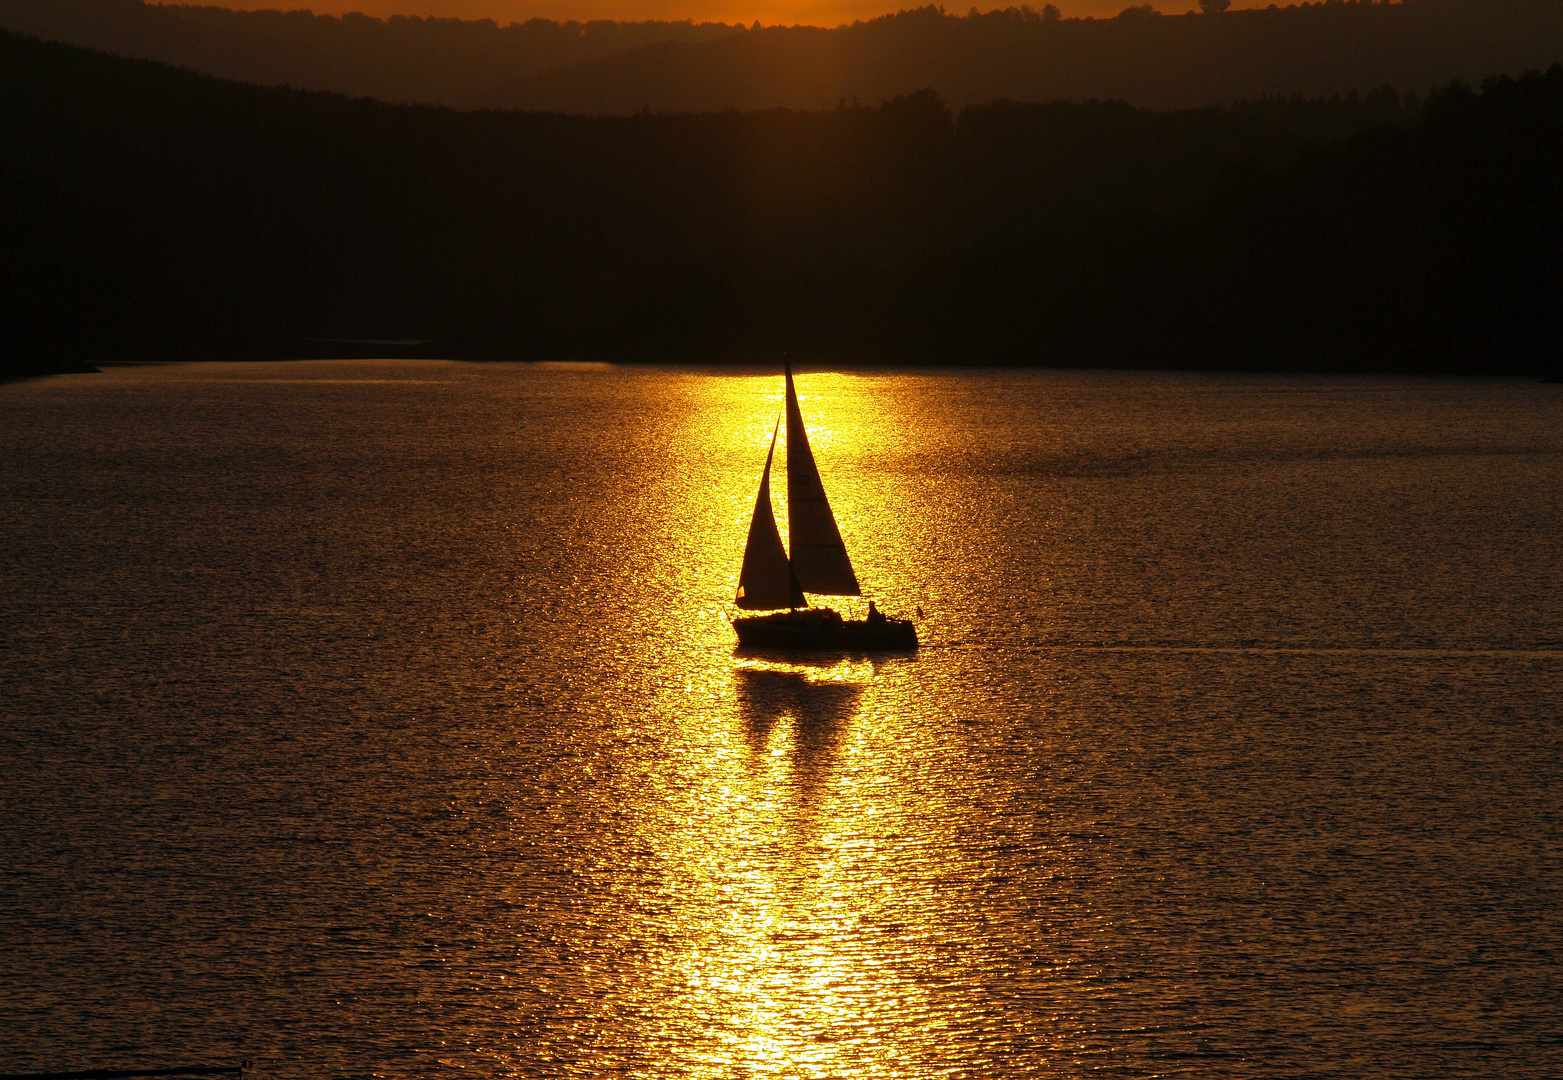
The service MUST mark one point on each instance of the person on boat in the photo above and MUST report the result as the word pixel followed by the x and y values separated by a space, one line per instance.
pixel 874 614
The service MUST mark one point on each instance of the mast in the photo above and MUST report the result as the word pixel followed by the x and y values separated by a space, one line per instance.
pixel 819 558
pixel 766 580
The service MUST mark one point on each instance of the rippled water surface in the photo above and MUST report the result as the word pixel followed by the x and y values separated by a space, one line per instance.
pixel 383 719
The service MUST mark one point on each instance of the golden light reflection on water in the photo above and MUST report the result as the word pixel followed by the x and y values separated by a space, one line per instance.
pixel 778 808
pixel 397 729
pixel 779 846
pixel 919 866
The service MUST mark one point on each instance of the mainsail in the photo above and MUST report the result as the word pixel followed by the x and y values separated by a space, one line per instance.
pixel 766 580
pixel 819 558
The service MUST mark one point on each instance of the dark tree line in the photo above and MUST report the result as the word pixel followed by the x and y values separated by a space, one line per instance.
pixel 154 213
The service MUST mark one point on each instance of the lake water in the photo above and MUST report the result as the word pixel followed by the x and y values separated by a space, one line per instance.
pixel 384 719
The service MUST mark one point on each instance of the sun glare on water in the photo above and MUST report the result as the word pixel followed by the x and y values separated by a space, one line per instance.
pixel 786 784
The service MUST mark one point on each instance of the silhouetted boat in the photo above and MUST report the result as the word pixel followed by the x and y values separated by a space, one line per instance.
pixel 770 579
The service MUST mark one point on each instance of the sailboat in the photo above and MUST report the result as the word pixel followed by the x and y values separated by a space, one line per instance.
pixel 772 579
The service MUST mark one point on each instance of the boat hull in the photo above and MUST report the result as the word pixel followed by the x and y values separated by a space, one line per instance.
pixel 825 631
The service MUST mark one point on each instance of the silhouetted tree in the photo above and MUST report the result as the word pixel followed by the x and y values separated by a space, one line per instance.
pixel 1214 7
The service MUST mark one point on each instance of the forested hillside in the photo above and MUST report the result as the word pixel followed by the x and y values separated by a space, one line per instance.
pixel 154 213
pixel 1148 60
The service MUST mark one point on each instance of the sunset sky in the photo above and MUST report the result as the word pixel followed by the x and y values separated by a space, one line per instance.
pixel 769 12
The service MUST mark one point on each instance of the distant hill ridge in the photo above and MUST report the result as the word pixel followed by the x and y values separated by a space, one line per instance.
pixel 400 59
pixel 1149 60
pixel 1146 59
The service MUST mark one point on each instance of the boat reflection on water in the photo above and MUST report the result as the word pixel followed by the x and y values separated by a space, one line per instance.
pixel 819 709
pixel 796 727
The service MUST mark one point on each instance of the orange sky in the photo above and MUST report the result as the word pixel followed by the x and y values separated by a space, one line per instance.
pixel 812 12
